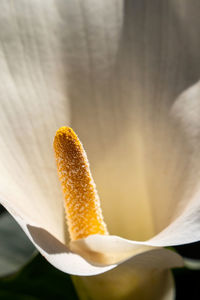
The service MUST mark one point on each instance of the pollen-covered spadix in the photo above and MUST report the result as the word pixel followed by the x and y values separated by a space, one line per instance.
pixel 82 204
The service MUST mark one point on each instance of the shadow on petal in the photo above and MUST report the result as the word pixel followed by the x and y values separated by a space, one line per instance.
pixel 46 241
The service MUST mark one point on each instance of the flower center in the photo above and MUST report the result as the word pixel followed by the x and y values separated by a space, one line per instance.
pixel 82 204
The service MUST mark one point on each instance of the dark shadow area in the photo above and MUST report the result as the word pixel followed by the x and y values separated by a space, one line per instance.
pixel 2 209
pixel 187 284
pixel 190 250
pixel 38 280
pixel 187 281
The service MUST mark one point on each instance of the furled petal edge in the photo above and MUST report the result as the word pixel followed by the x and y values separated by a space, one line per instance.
pixel 96 254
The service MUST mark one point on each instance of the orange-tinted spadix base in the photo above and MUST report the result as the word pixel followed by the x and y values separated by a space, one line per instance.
pixel 82 204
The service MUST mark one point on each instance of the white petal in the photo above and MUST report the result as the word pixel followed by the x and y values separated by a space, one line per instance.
pixel 57 253
pixel 38 43
pixel 33 105
pixel 185 228
pixel 183 223
pixel 105 250
pixel 119 93
pixel 111 251
pixel 138 158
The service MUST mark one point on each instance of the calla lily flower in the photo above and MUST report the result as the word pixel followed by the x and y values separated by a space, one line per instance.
pixel 113 71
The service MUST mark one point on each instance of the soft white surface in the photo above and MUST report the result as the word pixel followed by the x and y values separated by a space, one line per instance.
pixel 112 70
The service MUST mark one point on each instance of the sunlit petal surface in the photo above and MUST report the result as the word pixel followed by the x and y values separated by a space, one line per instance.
pixel 112 70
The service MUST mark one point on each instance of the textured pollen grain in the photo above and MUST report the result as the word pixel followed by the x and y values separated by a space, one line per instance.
pixel 82 204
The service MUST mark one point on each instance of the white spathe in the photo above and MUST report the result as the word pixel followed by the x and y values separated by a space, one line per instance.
pixel 111 70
